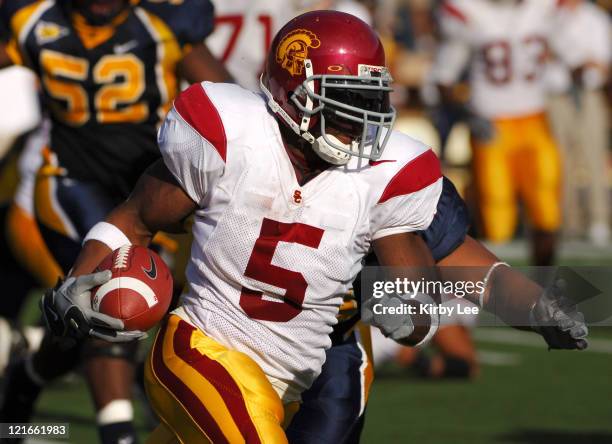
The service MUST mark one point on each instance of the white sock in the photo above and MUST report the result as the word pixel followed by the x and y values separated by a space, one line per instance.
pixel 118 410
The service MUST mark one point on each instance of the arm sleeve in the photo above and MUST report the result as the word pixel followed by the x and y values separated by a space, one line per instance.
pixel 450 224
pixel 192 160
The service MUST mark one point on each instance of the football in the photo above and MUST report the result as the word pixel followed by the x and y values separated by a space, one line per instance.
pixel 139 291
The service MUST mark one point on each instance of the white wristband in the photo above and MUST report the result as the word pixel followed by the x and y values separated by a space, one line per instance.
pixel 108 234
pixel 486 281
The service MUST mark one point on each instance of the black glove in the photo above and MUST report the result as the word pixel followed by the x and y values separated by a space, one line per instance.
pixel 555 317
pixel 67 311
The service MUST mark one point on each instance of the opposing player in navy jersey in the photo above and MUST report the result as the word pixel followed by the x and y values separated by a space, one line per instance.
pixel 109 70
pixel 333 408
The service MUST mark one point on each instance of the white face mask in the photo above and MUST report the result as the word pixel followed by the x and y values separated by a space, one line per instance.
pixel 375 123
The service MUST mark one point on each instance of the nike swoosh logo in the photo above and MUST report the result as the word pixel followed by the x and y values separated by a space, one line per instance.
pixel 378 162
pixel 125 47
pixel 152 271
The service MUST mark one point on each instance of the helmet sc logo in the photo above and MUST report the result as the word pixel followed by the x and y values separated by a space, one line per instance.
pixel 293 50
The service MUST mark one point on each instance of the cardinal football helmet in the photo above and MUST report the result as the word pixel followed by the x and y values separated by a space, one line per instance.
pixel 325 76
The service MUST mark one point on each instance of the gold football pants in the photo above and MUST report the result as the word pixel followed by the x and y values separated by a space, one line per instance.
pixel 204 392
pixel 521 162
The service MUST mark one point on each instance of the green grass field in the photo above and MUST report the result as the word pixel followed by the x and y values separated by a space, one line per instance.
pixel 544 397
pixel 523 395
pixel 541 397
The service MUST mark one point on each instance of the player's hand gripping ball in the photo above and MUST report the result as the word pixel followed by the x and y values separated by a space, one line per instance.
pixel 139 291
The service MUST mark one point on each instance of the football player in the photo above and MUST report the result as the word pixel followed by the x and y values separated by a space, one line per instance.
pixel 109 71
pixel 290 191
pixel 17 280
pixel 30 265
pixel 16 85
pixel 241 38
pixel 505 44
pixel 333 408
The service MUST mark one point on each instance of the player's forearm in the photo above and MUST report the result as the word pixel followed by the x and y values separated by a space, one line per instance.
pixel 406 256
pixel 157 203
pixel 124 219
pixel 509 294
pixel 129 219
pixel 92 253
pixel 200 64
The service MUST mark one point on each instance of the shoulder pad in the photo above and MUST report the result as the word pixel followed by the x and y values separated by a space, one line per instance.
pixel 411 166
pixel 196 109
pixel 220 112
pixel 241 110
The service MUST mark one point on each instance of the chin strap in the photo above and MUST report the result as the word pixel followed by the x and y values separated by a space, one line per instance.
pixel 328 153
pixel 276 108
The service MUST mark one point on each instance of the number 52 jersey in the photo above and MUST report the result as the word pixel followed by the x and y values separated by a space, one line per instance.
pixel 272 259
pixel 106 87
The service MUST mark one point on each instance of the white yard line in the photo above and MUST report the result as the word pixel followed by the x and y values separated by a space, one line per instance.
pixel 496 358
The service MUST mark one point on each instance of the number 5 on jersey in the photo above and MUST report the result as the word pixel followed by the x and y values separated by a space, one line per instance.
pixel 260 268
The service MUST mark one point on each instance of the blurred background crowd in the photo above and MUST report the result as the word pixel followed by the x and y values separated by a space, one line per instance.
pixel 577 111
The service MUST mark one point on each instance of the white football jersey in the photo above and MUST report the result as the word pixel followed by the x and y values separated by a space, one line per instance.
pixel 272 259
pixel 505 45
pixel 30 160
pixel 244 30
